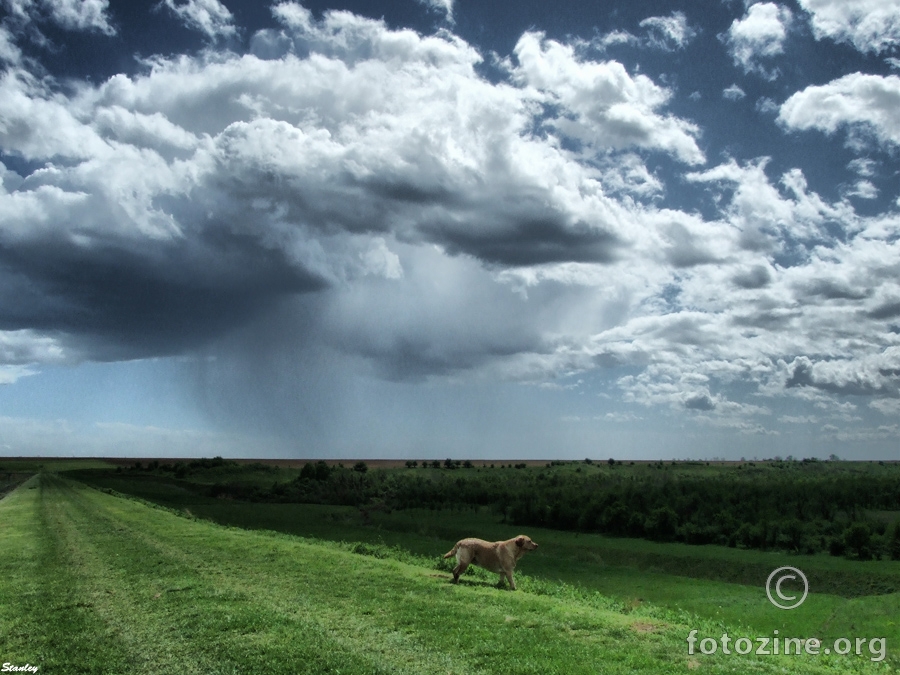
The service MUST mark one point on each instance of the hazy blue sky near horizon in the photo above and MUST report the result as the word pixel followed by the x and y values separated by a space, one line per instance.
pixel 432 228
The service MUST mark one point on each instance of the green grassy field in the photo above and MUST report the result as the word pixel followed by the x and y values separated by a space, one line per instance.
pixel 96 583
pixel 713 582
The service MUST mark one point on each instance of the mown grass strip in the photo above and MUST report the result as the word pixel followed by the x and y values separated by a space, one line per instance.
pixel 46 615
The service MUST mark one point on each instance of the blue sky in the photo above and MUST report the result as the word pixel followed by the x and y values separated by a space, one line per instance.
pixel 432 228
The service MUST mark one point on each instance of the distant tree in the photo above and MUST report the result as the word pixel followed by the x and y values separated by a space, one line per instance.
pixel 611 462
pixel 467 464
pixel 894 542
pixel 857 538
pixel 308 472
pixel 449 464
pixel 360 467
pixel 588 460
pixel 323 471
pixel 411 464
pixel 662 523
pixel 614 519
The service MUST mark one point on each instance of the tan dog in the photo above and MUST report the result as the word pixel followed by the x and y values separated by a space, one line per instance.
pixel 496 556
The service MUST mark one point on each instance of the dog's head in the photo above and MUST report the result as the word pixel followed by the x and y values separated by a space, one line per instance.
pixel 524 543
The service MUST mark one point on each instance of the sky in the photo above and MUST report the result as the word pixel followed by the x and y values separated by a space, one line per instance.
pixel 450 228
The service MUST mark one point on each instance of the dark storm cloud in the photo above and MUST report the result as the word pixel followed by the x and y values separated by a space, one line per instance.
pixel 531 240
pixel 769 319
pixel 132 304
pixel 699 402
pixel 832 289
pixel 757 276
pixel 888 310
pixel 196 193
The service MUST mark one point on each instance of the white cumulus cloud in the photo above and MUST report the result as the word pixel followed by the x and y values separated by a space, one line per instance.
pixel 608 108
pixel 869 25
pixel 866 105
pixel 758 37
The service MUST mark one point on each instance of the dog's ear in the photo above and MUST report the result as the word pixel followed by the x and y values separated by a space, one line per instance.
pixel 520 541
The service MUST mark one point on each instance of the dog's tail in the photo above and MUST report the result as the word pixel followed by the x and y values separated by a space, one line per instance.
pixel 451 552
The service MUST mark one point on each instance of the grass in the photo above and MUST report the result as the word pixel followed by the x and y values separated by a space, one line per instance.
pixel 713 582
pixel 95 583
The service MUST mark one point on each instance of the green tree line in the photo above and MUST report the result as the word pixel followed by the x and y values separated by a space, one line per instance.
pixel 798 506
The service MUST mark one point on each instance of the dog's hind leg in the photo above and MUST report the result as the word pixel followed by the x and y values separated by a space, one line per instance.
pixel 463 558
pixel 459 569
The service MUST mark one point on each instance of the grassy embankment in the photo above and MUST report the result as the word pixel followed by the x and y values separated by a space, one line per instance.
pixel 717 583
pixel 91 582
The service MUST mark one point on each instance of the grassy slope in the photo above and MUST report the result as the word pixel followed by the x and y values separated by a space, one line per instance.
pixel 90 582
pixel 714 582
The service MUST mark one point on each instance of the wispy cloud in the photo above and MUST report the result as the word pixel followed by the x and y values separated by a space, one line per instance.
pixel 443 6
pixel 733 93
pixel 668 32
pixel 210 17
